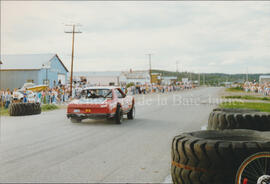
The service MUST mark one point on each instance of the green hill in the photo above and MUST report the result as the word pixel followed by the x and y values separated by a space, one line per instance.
pixel 211 78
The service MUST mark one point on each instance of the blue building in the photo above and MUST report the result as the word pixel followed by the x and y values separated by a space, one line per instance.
pixel 36 68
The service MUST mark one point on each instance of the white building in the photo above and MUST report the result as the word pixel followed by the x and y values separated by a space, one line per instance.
pixel 116 78
pixel 168 80
pixel 264 78
pixel 101 78
pixel 136 77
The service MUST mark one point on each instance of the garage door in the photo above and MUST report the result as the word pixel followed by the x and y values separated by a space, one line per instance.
pixel 62 77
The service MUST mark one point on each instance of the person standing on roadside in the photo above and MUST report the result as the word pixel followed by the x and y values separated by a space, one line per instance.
pixel 2 93
pixel 24 97
pixel 8 98
pixel 39 97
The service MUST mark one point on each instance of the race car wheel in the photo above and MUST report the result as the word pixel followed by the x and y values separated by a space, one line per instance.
pixel 30 108
pixel 255 169
pixel 75 120
pixel 213 157
pixel 119 115
pixel 131 113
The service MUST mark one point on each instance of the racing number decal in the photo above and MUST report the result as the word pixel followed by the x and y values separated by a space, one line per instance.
pixel 87 110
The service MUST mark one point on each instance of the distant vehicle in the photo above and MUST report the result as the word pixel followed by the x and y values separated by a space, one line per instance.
pixel 29 89
pixel 33 87
pixel 101 103
pixel 19 95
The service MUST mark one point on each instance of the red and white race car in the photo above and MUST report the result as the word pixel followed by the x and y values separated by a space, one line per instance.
pixel 101 103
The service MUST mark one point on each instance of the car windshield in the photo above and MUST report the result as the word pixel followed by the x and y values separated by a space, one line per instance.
pixel 96 93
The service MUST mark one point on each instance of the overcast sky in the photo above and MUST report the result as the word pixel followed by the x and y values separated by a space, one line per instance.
pixel 227 37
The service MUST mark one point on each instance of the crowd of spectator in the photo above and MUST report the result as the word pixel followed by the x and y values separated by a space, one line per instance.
pixel 145 89
pixel 255 87
pixel 61 94
pixel 6 97
pixel 56 95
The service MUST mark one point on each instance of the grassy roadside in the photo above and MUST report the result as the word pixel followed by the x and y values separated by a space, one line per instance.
pixel 235 89
pixel 49 107
pixel 247 97
pixel 45 107
pixel 264 107
pixel 4 112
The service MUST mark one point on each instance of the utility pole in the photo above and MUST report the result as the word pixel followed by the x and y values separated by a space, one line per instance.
pixel 199 79
pixel 150 70
pixel 247 75
pixel 176 66
pixel 72 55
pixel 204 79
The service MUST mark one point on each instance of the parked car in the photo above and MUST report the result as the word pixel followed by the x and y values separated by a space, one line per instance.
pixel 19 95
pixel 101 103
pixel 32 87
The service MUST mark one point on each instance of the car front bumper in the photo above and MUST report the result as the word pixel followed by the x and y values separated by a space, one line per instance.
pixel 90 116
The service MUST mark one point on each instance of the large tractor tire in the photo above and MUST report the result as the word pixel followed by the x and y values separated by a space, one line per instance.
pixel 213 157
pixel 12 111
pixel 221 119
pixel 22 109
pixel 36 108
pixel 30 109
pixel 236 110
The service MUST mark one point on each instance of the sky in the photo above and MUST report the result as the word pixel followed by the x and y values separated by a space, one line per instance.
pixel 202 37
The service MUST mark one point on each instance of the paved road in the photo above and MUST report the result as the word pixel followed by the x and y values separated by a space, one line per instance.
pixel 49 148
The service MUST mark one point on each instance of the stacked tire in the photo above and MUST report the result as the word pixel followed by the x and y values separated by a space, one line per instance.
pixel 213 157
pixel 220 119
pixel 22 109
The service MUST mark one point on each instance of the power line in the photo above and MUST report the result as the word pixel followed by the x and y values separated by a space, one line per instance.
pixel 72 55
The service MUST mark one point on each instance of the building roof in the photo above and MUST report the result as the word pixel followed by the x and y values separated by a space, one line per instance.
pixel 264 76
pixel 27 61
pixel 98 74
pixel 136 74
pixel 169 77
pixel 101 87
